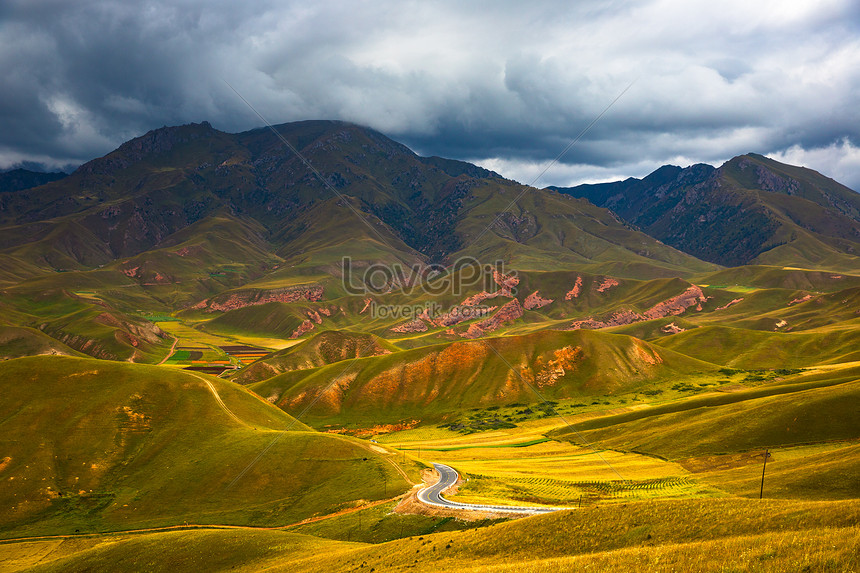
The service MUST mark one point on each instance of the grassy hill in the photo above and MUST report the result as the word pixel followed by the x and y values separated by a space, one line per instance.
pixel 92 445
pixel 431 382
pixel 319 350
pixel 16 341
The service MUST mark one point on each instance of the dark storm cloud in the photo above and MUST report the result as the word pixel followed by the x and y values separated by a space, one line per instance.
pixel 501 83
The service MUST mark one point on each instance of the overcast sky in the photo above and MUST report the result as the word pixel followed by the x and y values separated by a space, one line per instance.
pixel 504 84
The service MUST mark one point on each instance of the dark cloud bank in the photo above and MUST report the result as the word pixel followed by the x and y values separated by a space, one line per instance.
pixel 499 83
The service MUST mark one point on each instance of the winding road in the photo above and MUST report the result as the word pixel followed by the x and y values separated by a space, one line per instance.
pixel 448 476
pixel 218 399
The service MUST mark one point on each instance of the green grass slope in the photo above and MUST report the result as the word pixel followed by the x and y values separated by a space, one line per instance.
pixel 101 446
pixel 545 229
pixel 761 276
pixel 16 341
pixel 814 408
pixel 98 313
pixel 753 349
pixel 212 255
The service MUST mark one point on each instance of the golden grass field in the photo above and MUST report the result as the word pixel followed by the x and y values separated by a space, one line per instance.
pixel 680 535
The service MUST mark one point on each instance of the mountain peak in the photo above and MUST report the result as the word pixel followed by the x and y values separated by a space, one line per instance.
pixel 152 143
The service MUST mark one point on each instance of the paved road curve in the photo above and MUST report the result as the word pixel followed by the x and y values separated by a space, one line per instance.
pixel 448 476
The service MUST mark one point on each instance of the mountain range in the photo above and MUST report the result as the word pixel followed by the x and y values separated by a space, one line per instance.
pixel 750 210
pixel 193 220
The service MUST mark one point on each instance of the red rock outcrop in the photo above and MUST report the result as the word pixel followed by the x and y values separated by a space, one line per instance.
pixel 416 325
pixel 463 313
pixel 678 304
pixel 547 372
pixel 509 312
pixel 804 298
pixel 606 284
pixel 617 318
pixel 534 300
pixel 190 250
pixel 241 299
pixel 131 272
pixel 730 303
pixel 303 328
pixel 477 299
pixel 506 281
pixel 574 292
pixel 669 307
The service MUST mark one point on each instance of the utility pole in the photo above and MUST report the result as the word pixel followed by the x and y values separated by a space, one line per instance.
pixel 764 467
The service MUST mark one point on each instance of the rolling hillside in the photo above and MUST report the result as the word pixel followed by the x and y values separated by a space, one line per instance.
pixel 319 350
pixel 94 445
pixel 433 382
